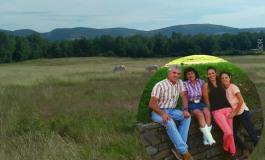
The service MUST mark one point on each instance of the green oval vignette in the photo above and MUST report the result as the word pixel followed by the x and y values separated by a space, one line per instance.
pixel 200 63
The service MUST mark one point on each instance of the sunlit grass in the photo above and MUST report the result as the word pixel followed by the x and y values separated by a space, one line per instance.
pixel 196 59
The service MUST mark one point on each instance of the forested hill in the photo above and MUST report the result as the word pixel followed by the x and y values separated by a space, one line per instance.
pixel 76 33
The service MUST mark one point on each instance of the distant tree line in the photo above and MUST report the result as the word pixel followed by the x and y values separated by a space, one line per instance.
pixel 19 48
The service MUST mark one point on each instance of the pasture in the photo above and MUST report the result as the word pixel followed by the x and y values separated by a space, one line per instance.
pixel 77 108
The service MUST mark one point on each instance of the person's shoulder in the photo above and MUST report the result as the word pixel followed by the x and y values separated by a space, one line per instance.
pixel 162 81
pixel 205 85
pixel 200 80
pixel 234 86
pixel 180 81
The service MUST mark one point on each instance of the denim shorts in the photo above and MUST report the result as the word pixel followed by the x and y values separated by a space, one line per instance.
pixel 194 106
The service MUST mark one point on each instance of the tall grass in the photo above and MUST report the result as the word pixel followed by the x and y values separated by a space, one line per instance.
pixel 76 108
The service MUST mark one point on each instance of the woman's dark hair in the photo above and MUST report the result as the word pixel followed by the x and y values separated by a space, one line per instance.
pixel 190 69
pixel 218 81
pixel 226 72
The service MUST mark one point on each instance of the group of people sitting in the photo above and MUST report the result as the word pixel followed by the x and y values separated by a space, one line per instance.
pixel 218 98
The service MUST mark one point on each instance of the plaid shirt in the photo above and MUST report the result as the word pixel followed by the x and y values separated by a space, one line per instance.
pixel 194 92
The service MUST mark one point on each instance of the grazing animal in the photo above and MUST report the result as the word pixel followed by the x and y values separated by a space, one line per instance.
pixel 119 68
pixel 152 68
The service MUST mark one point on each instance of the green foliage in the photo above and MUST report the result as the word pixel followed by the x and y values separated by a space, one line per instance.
pixel 239 78
pixel 34 46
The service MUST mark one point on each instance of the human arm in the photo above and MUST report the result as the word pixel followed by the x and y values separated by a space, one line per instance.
pixel 185 104
pixel 153 105
pixel 205 94
pixel 239 105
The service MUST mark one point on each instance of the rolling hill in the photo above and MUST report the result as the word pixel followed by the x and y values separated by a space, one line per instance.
pixel 79 32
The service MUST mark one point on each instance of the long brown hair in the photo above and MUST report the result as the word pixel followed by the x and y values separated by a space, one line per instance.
pixel 218 81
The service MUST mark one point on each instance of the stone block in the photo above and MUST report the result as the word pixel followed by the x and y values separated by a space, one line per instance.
pixel 144 141
pixel 161 155
pixel 164 146
pixel 151 150
pixel 195 140
pixel 152 138
pixel 214 151
pixel 171 157
pixel 165 138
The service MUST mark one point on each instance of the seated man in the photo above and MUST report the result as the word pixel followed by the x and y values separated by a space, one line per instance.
pixel 163 101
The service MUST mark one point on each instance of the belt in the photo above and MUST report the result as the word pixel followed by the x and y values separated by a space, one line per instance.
pixel 195 101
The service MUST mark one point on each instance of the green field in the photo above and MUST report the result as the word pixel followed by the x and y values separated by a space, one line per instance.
pixel 77 108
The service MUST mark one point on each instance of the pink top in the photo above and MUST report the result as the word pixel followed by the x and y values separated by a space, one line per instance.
pixel 231 96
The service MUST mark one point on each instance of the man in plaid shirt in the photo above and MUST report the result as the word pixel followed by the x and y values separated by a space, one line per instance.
pixel 163 102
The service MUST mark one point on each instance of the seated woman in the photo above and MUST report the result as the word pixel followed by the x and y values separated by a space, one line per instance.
pixel 193 87
pixel 215 97
pixel 240 113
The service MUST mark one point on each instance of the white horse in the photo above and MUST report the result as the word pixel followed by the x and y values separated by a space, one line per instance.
pixel 119 68
pixel 152 68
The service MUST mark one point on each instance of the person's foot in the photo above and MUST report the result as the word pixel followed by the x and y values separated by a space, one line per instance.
pixel 177 154
pixel 245 154
pixel 232 157
pixel 187 156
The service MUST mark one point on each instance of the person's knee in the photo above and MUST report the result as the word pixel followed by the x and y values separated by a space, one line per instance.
pixel 206 112
pixel 199 115
pixel 229 133
pixel 186 120
pixel 171 123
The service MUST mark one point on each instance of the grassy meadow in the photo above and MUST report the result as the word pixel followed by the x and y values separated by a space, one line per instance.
pixel 77 108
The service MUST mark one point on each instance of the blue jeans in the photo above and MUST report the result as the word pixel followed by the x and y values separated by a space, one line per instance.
pixel 178 135
pixel 244 119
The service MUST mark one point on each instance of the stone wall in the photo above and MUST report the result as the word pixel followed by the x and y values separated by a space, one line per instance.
pixel 158 145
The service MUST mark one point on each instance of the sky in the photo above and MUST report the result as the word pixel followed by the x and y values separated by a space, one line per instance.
pixel 47 15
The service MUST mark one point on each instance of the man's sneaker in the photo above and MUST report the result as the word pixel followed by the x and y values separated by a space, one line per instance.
pixel 177 154
pixel 187 156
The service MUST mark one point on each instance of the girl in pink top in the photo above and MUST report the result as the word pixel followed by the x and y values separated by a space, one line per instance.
pixel 240 113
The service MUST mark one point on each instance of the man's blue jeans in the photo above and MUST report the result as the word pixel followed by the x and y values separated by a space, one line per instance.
pixel 244 119
pixel 178 135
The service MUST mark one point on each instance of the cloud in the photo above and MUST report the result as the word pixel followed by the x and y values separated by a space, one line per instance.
pixel 46 15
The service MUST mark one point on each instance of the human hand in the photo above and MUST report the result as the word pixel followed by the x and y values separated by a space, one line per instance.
pixel 232 114
pixel 165 118
pixel 186 114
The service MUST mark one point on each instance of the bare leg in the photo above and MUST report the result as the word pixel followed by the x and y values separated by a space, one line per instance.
pixel 207 116
pixel 200 117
